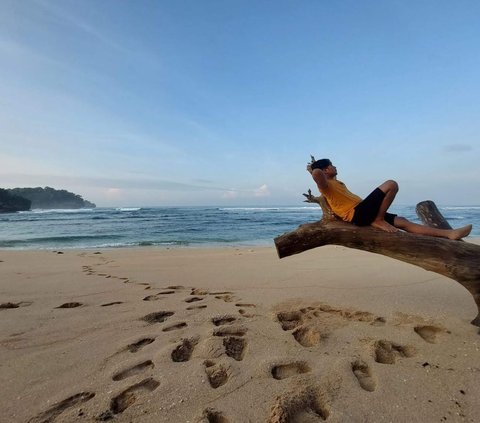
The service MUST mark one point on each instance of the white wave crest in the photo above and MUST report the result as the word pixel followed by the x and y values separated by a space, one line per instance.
pixel 128 209
pixel 44 211
pixel 460 208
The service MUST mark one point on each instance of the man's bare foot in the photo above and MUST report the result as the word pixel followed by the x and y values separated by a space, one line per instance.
pixel 459 233
pixel 384 226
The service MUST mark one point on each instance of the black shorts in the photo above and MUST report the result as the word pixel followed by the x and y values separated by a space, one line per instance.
pixel 367 210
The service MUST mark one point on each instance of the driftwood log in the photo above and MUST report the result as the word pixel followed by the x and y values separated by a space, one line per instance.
pixel 459 261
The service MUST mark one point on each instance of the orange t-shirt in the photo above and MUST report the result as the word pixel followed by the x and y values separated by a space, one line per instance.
pixel 340 199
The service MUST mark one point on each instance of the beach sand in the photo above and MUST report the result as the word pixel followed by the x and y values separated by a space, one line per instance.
pixel 233 335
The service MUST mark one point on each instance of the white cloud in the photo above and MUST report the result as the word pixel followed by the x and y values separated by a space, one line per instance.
pixel 230 194
pixel 114 194
pixel 263 191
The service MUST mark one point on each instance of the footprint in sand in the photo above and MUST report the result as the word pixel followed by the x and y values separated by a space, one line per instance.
pixel 235 347
pixel 53 412
pixel 284 371
pixel 217 374
pixel 70 305
pixel 88 270
pixel 223 320
pixel 210 415
pixel 290 319
pixel 244 312
pixel 137 346
pixel 9 305
pixel 307 406
pixel 308 336
pixel 134 370
pixel 184 351
pixel 312 325
pixel 193 299
pixel 127 398
pixel 151 298
pixel 196 307
pixel 230 331
pixel 224 295
pixel 379 321
pixel 363 373
pixel 111 304
pixel 227 298
pixel 386 352
pixel 350 315
pixel 157 317
pixel 428 333
pixel 176 326
pixel 198 291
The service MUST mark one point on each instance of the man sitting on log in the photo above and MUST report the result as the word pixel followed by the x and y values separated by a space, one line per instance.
pixel 373 209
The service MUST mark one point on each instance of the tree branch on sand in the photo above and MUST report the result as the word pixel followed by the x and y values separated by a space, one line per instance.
pixel 457 260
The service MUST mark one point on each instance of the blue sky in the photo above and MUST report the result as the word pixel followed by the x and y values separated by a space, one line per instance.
pixel 133 103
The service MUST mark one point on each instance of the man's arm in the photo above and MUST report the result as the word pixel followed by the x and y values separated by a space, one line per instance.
pixel 319 177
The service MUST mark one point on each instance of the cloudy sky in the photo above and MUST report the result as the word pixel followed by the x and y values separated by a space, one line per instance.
pixel 187 102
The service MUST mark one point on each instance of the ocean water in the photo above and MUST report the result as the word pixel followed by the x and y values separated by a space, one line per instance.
pixel 176 226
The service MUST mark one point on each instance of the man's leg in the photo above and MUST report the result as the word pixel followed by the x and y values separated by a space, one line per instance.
pixel 390 188
pixel 406 225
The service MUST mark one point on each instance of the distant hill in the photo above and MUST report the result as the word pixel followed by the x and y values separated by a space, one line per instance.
pixel 50 198
pixel 12 203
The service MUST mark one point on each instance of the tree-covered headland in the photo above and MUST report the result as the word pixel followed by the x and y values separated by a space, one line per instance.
pixel 17 199
pixel 12 203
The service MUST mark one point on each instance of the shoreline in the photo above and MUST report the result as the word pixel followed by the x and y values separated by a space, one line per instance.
pixel 272 334
pixel 474 239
